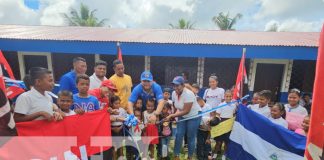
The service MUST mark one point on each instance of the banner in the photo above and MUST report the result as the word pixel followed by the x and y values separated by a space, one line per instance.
pixel 42 139
pixel 222 128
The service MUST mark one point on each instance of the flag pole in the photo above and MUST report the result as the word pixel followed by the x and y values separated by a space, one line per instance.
pixel 243 65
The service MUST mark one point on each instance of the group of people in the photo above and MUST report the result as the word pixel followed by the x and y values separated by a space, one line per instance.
pixel 160 113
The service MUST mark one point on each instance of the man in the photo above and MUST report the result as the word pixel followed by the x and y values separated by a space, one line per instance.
pixel 147 89
pixel 99 74
pixel 123 83
pixel 104 93
pixel 68 80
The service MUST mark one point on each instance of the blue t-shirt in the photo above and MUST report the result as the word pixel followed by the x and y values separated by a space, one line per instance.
pixel 68 82
pixel 138 92
pixel 88 104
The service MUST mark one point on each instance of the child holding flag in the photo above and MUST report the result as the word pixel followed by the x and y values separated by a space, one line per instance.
pixel 225 113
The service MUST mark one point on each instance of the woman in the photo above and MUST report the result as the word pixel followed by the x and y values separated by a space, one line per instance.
pixel 186 103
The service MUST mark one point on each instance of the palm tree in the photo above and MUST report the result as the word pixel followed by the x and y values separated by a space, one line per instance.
pixel 182 24
pixel 224 22
pixel 85 18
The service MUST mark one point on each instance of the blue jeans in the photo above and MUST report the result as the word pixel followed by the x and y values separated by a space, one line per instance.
pixel 191 128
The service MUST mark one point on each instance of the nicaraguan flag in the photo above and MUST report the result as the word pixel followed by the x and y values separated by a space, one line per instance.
pixel 255 137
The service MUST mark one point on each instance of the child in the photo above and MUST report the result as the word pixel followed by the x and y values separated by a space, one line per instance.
pixel 83 102
pixel 203 136
pixel 136 131
pixel 277 113
pixel 293 105
pixel 117 124
pixel 263 107
pixel 139 104
pixel 150 127
pixel 305 126
pixel 166 95
pixel 225 113
pixel 255 100
pixel 295 113
pixel 195 89
pixel 37 104
pixel 213 95
pixel 165 131
pixel 64 102
pixel 104 93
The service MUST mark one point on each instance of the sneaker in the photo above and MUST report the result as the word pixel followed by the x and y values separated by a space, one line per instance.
pixel 223 157
pixel 214 156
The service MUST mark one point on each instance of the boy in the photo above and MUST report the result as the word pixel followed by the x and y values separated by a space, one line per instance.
pixel 83 102
pixel 195 89
pixel 37 104
pixel 264 99
pixel 203 136
pixel 64 102
pixel 254 100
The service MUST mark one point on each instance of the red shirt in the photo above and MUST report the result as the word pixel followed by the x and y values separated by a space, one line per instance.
pixel 103 101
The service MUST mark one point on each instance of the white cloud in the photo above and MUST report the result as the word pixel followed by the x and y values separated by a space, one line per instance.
pixel 291 15
pixel 52 11
pixel 295 25
pixel 15 12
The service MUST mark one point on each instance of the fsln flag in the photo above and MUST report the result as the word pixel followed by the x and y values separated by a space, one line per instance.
pixel 240 79
pixel 315 141
pixel 255 137
pixel 81 135
pixel 119 52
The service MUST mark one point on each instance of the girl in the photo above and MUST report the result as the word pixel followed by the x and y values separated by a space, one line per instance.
pixel 293 103
pixel 305 126
pixel 117 123
pixel 136 131
pixel 277 113
pixel 213 95
pixel 151 129
pixel 225 113
pixel 165 131
pixel 139 104
pixel 295 113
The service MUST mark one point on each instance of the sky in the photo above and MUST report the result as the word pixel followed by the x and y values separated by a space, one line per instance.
pixel 258 15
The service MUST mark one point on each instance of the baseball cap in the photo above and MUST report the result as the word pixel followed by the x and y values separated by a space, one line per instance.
pixel 108 83
pixel 178 80
pixel 146 76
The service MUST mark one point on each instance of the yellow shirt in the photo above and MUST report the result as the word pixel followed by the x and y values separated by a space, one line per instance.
pixel 124 85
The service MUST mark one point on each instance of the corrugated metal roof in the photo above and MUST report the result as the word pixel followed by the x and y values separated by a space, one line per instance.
pixel 173 36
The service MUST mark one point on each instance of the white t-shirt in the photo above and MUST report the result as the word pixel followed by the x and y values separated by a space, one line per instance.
pixel 280 121
pixel 299 109
pixel 95 82
pixel 226 111
pixel 214 96
pixel 122 113
pixel 265 111
pixel 206 116
pixel 186 96
pixel 71 113
pixel 32 101
pixel 147 116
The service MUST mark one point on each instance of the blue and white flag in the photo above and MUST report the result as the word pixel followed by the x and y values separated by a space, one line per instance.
pixel 255 137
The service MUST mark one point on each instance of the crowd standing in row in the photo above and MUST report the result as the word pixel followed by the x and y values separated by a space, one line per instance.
pixel 157 110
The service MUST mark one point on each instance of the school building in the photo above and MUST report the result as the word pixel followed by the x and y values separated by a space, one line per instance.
pixel 276 61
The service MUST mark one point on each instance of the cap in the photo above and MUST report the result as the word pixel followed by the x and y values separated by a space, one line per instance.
pixel 108 83
pixel 146 76
pixel 178 80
